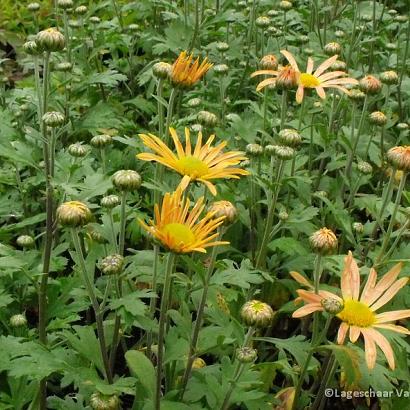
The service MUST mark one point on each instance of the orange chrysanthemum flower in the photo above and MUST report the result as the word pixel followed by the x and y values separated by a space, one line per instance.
pixel 358 314
pixel 319 80
pixel 202 164
pixel 185 73
pixel 179 229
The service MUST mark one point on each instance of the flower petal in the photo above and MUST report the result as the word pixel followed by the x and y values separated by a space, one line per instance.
pixel 354 333
pixel 291 60
pixel 384 345
pixel 299 94
pixel 393 328
pixel 341 334
pixel 392 316
pixel 369 348
pixel 307 310
pixel 390 293
pixel 325 65
pixel 300 279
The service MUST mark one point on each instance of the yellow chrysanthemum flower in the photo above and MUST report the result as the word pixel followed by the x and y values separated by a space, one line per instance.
pixel 319 80
pixel 185 73
pixel 358 314
pixel 203 164
pixel 179 229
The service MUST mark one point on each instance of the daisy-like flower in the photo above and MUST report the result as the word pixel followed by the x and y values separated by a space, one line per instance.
pixel 319 80
pixel 185 73
pixel 203 163
pixel 358 314
pixel 179 228
pixel 284 77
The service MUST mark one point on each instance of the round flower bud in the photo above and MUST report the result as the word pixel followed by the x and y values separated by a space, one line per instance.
pixel 31 48
pixel 289 137
pixel 323 241
pixel 198 363
pixel 332 305
pixel 232 117
pixel 207 118
pixel 303 39
pixel 338 66
pixel 356 95
pixel 257 314
pixel 246 355
pixel 126 180
pixel 97 236
pixel 392 12
pixel 367 18
pixel 77 150
pixel 370 84
pixel 226 209
pixel 273 13
pixel 389 77
pixel 399 157
pixel 222 46
pixel 254 150
pixel 50 40
pixel 196 128
pixel 308 51
pixel 65 4
pixel 285 5
pixel 332 48
pixel 268 62
pixel 364 168
pixel 74 24
pixel 402 126
pixel 391 46
pixel 287 78
pixel 321 194
pixel 378 118
pixel 18 321
pixel 25 241
pixel 401 19
pixel 73 214
pixel 64 66
pixel 133 27
pixel 221 69
pixel 273 31
pixel 53 119
pixel 94 20
pixel 24 107
pixel 100 401
pixel 110 201
pixel 358 227
pixel 283 216
pixel 283 152
pixel 33 7
pixel 81 10
pixel 112 264
pixel 101 141
pixel 194 102
pixel 162 70
pixel 340 34
pixel 262 22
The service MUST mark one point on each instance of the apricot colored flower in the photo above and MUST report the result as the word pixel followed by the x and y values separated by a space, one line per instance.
pixel 358 314
pixel 185 73
pixel 319 80
pixel 179 228
pixel 204 163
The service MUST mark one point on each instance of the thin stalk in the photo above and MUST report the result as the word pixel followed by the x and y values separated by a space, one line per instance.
pixel 353 37
pixel 199 318
pixel 403 71
pixel 392 219
pixel 397 240
pixel 374 25
pixel 237 372
pixel 196 29
pixel 96 307
pixel 222 96
pixel 330 369
pixel 118 14
pixel 283 108
pixel 103 160
pixel 123 220
pixel 48 242
pixel 260 261
pixel 67 36
pixel 161 330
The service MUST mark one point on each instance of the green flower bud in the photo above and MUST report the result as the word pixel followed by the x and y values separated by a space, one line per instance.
pixel 65 4
pixel 257 314
pixel 25 241
pixel 78 150
pixel 126 180
pixel 110 201
pixel 31 48
pixel 50 40
pixel 162 70
pixel 100 401
pixel 207 118
pixel 101 141
pixel 332 305
pixel 73 214
pixel 254 150
pixel 53 119
pixel 18 321
pixel 112 265
pixel 33 7
pixel 323 241
pixel 289 137
pixel 246 355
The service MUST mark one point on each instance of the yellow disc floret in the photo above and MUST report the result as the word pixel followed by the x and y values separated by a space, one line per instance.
pixel 192 166
pixel 178 235
pixel 357 313
pixel 308 80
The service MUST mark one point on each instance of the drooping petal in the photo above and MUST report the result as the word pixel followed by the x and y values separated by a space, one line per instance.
pixel 354 333
pixel 384 345
pixel 369 348
pixel 309 296
pixel 299 94
pixel 320 92
pixel 300 279
pixel 307 310
pixel 392 316
pixel 341 334
pixel 325 65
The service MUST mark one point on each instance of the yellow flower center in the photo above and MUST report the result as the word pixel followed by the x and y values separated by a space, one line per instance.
pixel 356 313
pixel 178 234
pixel 192 166
pixel 308 80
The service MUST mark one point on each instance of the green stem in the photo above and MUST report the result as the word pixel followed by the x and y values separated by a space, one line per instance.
pixel 199 318
pixel 96 307
pixel 67 36
pixel 196 29
pixel 123 220
pixel 283 109
pixel 161 330
pixel 392 219
pixel 118 14
pixel 330 369
pixel 371 56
